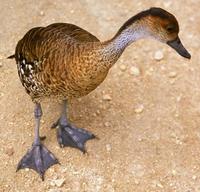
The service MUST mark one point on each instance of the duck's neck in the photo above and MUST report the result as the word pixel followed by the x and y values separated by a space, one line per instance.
pixel 124 38
pixel 113 48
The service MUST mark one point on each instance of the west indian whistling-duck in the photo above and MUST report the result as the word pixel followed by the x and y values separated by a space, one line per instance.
pixel 64 61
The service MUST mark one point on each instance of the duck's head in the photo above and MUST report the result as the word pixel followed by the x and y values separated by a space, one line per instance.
pixel 164 27
pixel 159 24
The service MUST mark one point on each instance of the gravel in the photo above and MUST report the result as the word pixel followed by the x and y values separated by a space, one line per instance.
pixel 172 74
pixel 107 97
pixel 158 55
pixel 123 67
pixel 135 71
pixel 139 108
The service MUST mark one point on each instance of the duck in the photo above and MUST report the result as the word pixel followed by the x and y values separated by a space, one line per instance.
pixel 64 61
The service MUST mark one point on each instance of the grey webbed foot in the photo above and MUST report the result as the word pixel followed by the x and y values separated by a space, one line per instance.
pixel 38 158
pixel 69 135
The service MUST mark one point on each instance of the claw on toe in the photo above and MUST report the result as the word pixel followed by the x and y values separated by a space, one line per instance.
pixel 54 125
pixel 38 158
pixel 42 138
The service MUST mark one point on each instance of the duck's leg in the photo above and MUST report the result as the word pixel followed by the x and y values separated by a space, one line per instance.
pixel 69 135
pixel 38 158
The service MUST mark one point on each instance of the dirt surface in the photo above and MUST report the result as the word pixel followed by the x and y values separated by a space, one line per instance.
pixel 146 113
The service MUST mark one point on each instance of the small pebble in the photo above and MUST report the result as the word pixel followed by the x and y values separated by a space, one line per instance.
pixel 151 69
pixel 107 97
pixel 135 71
pixel 52 183
pixel 1 94
pixel 139 109
pixel 59 182
pixel 140 139
pixel 174 172
pixel 178 141
pixel 23 142
pixel 172 81
pixel 190 36
pixel 137 170
pixel 176 114
pixel 167 4
pixel 194 177
pixel 158 55
pixel 79 99
pixel 42 13
pixel 192 18
pixel 163 68
pixel 9 151
pixel 64 170
pixel 172 74
pixel 178 99
pixel 136 181
pixel 171 184
pixel 157 183
pixel 94 114
pixel 108 147
pixel 106 124
pixel 122 67
pixel 98 112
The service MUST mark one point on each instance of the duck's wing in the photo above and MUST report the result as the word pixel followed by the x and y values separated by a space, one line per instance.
pixel 73 31
pixel 51 36
pixel 45 49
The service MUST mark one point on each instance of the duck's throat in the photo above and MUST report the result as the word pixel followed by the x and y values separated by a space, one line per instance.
pixel 128 36
pixel 114 48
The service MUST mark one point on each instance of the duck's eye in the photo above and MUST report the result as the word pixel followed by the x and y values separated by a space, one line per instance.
pixel 170 28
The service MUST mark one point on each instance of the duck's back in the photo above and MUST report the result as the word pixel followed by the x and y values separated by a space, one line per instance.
pixel 40 55
pixel 73 31
pixel 40 40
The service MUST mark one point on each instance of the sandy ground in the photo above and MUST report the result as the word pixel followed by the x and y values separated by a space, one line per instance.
pixel 149 128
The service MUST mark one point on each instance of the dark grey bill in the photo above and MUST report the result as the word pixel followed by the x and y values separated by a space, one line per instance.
pixel 178 46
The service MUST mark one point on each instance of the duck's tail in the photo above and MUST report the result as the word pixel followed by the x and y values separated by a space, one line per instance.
pixel 11 57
